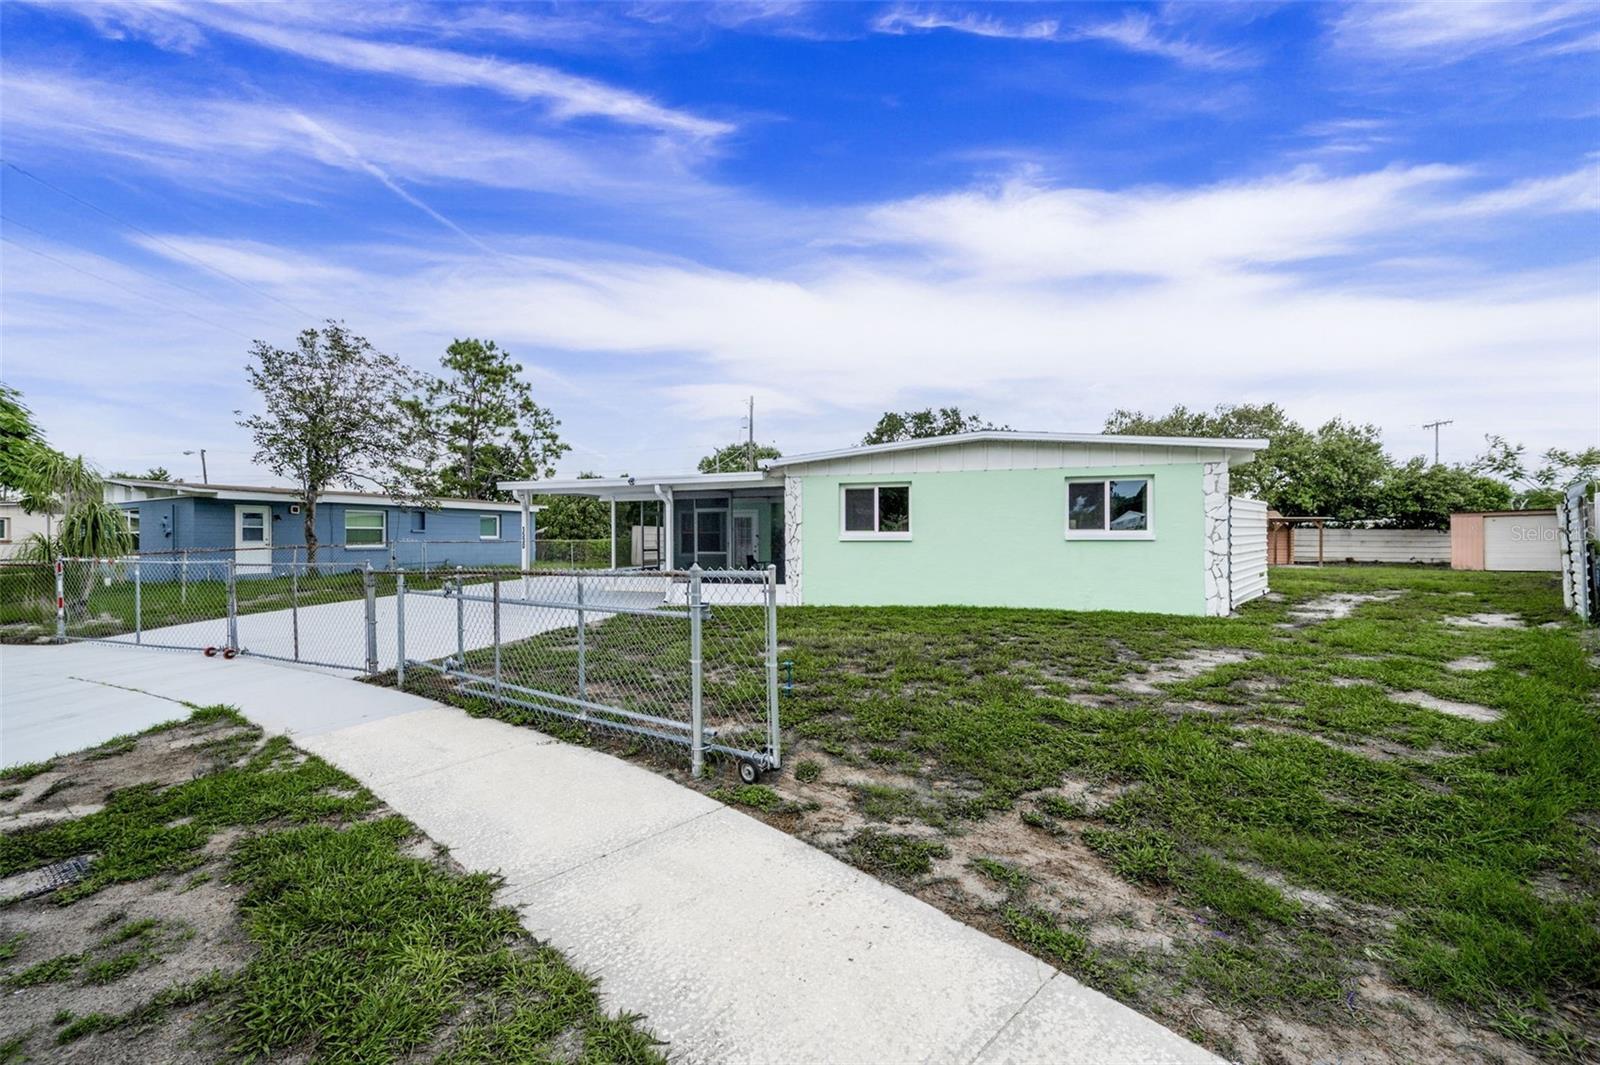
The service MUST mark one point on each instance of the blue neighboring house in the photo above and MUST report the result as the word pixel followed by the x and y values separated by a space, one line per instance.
pixel 266 524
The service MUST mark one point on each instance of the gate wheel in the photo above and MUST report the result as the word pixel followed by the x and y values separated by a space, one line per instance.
pixel 749 772
pixel 229 653
pixel 211 652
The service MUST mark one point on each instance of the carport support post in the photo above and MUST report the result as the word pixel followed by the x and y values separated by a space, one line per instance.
pixel 697 721
pixel 369 583
pixel 772 665
pixel 233 606
pixel 400 629
pixel 613 532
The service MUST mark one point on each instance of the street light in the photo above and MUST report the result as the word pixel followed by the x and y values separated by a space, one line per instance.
pixel 204 477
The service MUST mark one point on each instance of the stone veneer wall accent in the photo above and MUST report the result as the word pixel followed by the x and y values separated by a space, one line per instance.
pixel 793 518
pixel 1214 482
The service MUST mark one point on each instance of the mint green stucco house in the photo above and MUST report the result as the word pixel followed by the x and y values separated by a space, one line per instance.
pixel 1060 521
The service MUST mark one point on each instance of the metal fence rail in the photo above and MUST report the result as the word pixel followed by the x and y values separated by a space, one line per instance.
pixel 672 659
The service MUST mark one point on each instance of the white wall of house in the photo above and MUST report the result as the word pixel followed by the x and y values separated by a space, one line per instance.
pixel 19 525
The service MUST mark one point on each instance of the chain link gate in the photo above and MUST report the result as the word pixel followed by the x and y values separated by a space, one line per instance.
pixel 323 614
pixel 674 659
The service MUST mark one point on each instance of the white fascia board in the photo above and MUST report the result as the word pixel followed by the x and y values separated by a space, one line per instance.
pixel 1004 437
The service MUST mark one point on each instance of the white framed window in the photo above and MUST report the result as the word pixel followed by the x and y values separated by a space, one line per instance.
pixel 365 528
pixel 132 518
pixel 874 512
pixel 1111 508
pixel 5 530
pixel 488 526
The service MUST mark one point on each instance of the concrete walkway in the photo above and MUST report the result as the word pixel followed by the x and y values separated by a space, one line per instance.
pixel 737 941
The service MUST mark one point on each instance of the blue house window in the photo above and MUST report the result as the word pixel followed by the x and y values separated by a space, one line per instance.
pixel 364 528
pixel 419 521
pixel 488 526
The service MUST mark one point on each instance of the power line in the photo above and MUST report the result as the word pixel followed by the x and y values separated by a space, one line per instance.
pixel 8 220
pixel 125 288
pixel 1435 427
pixel 164 243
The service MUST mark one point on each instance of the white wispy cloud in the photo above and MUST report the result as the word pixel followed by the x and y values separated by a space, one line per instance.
pixel 1428 30
pixel 566 95
pixel 1135 31
pixel 1017 299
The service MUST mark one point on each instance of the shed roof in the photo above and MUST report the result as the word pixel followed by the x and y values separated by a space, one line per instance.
pixel 625 488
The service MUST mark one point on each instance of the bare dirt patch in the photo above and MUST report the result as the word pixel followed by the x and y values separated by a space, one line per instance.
pixel 1486 621
pixel 1470 711
pixel 1337 605
pixel 1469 664
pixel 1186 667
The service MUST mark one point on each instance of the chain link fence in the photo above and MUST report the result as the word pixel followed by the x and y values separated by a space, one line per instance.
pixel 683 661
pixel 674 660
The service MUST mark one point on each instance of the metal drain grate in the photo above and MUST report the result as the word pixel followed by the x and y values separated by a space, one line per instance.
pixel 54 877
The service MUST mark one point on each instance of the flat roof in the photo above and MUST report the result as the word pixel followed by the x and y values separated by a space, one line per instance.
pixel 1006 436
pixel 644 487
pixel 212 490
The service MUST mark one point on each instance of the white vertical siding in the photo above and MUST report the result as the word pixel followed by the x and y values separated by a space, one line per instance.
pixel 1247 548
pixel 1372 545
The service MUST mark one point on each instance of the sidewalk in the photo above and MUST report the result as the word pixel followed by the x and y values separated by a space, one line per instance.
pixel 737 941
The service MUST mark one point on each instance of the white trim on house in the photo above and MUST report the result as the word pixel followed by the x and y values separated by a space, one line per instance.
pixel 1105 532
pixel 491 517
pixel 874 533
pixel 637 488
pixel 383 528
pixel 1243 447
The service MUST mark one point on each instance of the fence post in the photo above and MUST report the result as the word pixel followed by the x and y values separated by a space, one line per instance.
pixel 400 629
pixel 772 665
pixel 61 600
pixel 461 622
pixel 183 578
pixel 294 605
pixel 233 606
pixel 697 721
pixel 583 680
pixel 496 610
pixel 369 583
pixel 138 604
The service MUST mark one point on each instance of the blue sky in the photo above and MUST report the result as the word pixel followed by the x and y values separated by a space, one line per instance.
pixel 1387 212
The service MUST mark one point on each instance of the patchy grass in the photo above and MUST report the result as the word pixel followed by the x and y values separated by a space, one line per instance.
pixel 1286 825
pixel 348 948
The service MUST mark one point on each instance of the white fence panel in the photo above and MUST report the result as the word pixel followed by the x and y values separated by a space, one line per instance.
pixel 1247 549
pixel 1373 545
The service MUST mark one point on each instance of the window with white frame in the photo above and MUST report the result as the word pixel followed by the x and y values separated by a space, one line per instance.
pixel 364 528
pixel 488 526
pixel 875 512
pixel 132 518
pixel 5 530
pixel 1110 509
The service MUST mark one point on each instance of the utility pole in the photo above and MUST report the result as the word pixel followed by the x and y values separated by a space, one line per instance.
pixel 1435 427
pixel 750 446
pixel 205 478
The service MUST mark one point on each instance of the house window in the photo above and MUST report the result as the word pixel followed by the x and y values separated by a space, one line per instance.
pixel 488 526
pixel 253 527
pixel 132 518
pixel 364 528
pixel 5 530
pixel 1110 509
pixel 875 512
pixel 419 521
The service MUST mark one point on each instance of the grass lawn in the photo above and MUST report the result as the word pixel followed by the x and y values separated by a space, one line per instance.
pixel 248 902
pixel 1359 821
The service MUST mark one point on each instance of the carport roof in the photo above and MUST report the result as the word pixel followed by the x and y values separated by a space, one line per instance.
pixel 624 488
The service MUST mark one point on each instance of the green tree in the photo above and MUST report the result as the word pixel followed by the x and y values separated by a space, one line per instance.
pixel 337 414
pixel 736 456
pixel 1541 486
pixel 485 422
pixel 154 473
pixel 1421 495
pixel 45 481
pixel 1334 472
pixel 574 517
pixel 920 424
